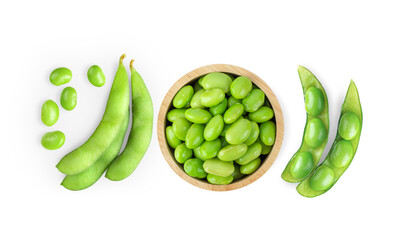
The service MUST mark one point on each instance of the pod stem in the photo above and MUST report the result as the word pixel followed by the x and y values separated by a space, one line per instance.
pixel 122 57
pixel 131 64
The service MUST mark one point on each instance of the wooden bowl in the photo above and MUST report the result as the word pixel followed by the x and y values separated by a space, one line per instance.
pixel 189 78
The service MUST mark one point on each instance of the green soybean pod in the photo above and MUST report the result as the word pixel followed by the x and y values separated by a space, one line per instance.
pixel 216 80
pixel 341 153
pixel 218 180
pixel 194 168
pixel 232 152
pixel 198 115
pixel 180 127
pixel 60 76
pixel 240 87
pixel 49 113
pixel 268 133
pixel 182 153
pixel 253 152
pixel 141 131
pixel 239 131
pixel 68 98
pixel 262 114
pixel 183 97
pixel 316 129
pixel 117 109
pixel 194 137
pixel 214 128
pixel 218 167
pixel 250 167
pixel 172 140
pixel 90 176
pixel 196 101
pixel 253 100
pixel 232 101
pixel 96 76
pixel 176 113
pixel 233 113
pixel 255 132
pixel 220 108
pixel 53 140
pixel 210 149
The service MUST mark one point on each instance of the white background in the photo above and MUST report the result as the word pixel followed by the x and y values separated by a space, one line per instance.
pixel 337 41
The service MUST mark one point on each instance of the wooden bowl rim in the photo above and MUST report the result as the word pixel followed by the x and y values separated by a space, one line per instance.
pixel 195 74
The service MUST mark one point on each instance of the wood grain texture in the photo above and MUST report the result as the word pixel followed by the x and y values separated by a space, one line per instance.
pixel 193 75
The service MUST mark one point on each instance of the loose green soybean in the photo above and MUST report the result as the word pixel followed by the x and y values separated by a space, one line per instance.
pixel 316 130
pixel 218 167
pixel 175 114
pixel 198 115
pixel 213 128
pixel 96 76
pixel 232 152
pixel 194 137
pixel 49 113
pixel 212 97
pixel 240 87
pixel 172 140
pixel 114 116
pixel 60 76
pixel 140 136
pixel 183 97
pixel 239 131
pixel 68 98
pixel 194 168
pixel 53 140
pixel 216 80
pixel 227 125
pixel 233 113
pixel 342 151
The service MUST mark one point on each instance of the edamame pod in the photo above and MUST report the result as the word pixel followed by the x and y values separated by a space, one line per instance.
pixel 218 167
pixel 96 76
pixel 53 140
pixel 141 131
pixel 49 113
pixel 316 130
pixel 60 76
pixel 114 115
pixel 342 151
pixel 90 176
pixel 216 80
pixel 68 98
pixel 214 128
pixel 183 97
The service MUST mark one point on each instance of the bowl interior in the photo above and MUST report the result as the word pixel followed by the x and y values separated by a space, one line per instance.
pixel 190 78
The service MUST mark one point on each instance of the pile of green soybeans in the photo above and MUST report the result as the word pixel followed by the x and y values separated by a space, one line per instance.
pixel 68 100
pixel 220 127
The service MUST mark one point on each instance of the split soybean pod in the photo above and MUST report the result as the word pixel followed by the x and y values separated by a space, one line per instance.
pixel 114 115
pixel 315 136
pixel 342 151
pixel 140 135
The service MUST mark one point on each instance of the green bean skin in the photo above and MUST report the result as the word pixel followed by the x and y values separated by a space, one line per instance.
pixel 313 102
pixel 53 140
pixel 91 175
pixel 96 76
pixel 140 136
pixel 68 98
pixel 60 76
pixel 49 113
pixel 115 113
pixel 339 158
